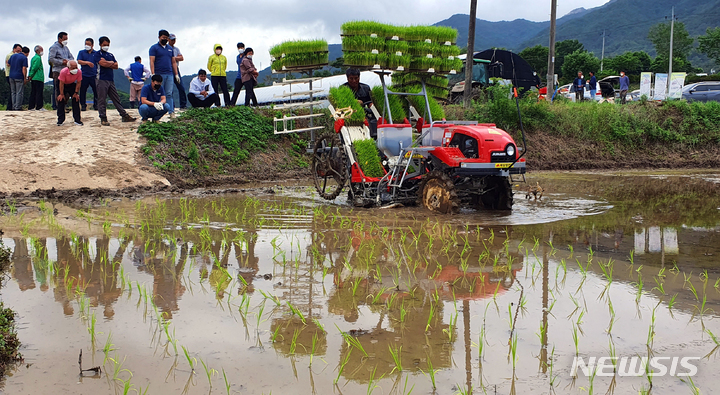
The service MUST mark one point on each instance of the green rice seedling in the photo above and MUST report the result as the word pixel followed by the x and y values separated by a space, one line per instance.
pixel 191 361
pixel 293 341
pixel 297 312
pixel 430 372
pixel 368 157
pixel 651 328
pixel 108 347
pixel 91 328
pixel 691 287
pixel 353 342
pixel 450 330
pixel 445 34
pixel 342 365
pixel 576 339
pixel 343 97
pixel 208 372
pixel 227 382
pixel 397 358
pixel 366 28
pixel 397 108
pixel 691 384
pixel 430 316
pixel 513 350
pixel 319 324
pixel 372 383
pixel 671 302
pixel 275 334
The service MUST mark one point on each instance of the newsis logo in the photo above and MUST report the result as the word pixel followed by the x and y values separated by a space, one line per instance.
pixel 635 366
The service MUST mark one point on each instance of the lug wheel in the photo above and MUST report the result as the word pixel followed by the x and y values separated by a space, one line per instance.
pixel 329 166
pixel 499 195
pixel 437 193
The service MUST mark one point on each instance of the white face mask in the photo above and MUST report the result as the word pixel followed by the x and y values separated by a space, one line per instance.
pixel 218 51
pixel 241 50
pixel 74 71
pixel 249 56
pixel 64 43
pixel 41 53
pixel 105 48
pixel 87 47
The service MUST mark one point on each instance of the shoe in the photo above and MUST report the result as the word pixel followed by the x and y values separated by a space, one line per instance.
pixel 79 123
pixel 104 122
pixel 172 115
pixel 84 108
pixel 59 123
pixel 31 109
pixel 42 109
pixel 128 118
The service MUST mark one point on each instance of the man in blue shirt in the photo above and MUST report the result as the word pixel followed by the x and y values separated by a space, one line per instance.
pixel 162 62
pixel 579 86
pixel 154 102
pixel 238 80
pixel 592 84
pixel 86 59
pixel 18 75
pixel 624 87
pixel 106 83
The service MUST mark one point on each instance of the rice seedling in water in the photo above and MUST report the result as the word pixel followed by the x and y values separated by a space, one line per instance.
pixel 397 358
pixel 430 372
pixel 575 339
pixel 372 384
pixel 227 382
pixel 352 341
pixel 342 365
pixel 191 361
pixel 293 341
pixel 208 372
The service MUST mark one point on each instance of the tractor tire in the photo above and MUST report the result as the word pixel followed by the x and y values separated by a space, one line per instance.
pixel 499 196
pixel 437 193
pixel 329 163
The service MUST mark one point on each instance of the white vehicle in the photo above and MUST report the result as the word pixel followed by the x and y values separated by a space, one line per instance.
pixel 598 94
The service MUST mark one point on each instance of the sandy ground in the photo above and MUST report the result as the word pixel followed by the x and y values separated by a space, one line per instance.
pixel 38 154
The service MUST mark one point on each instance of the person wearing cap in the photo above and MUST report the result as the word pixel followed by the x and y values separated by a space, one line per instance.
pixel 178 82
pixel 217 64
pixel 136 73
pixel 238 80
pixel 17 48
pixel 106 83
pixel 86 60
pixel 162 61
pixel 69 81
pixel 36 77
pixel 18 76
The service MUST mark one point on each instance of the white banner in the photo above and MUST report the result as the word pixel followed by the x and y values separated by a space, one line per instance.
pixel 646 85
pixel 660 86
pixel 677 83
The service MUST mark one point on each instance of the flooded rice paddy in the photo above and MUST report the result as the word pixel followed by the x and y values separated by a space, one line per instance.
pixel 282 293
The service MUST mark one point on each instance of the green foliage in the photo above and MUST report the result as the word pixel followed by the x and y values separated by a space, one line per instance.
pixel 9 342
pixel 633 125
pixel 537 58
pixel 579 60
pixel 343 97
pixel 368 157
pixel 397 107
pixel 710 44
pixel 437 111
pixel 563 49
pixel 202 141
pixel 632 63
pixel 659 35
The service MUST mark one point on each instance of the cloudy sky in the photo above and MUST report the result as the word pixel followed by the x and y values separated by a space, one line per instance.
pixel 132 25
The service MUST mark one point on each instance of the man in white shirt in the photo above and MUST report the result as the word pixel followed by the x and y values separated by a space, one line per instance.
pixel 202 93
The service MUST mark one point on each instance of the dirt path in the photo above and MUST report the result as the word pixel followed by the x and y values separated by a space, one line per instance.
pixel 38 154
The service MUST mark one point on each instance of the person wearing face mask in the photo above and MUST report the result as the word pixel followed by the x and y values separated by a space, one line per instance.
pixel 17 48
pixel 86 59
pixel 178 82
pixel 59 57
pixel 201 92
pixel 136 73
pixel 154 102
pixel 217 64
pixel 69 82
pixel 162 62
pixel 238 80
pixel 624 87
pixel 18 77
pixel 249 77
pixel 106 83
pixel 36 77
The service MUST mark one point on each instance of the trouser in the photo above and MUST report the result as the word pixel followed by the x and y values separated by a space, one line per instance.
pixel 53 97
pixel 221 83
pixel 579 94
pixel 68 92
pixel 181 93
pixel 623 96
pixel 36 95
pixel 9 103
pixel 236 91
pixel 209 100
pixel 135 90
pixel 152 112
pixel 16 91
pixel 250 92
pixel 168 85
pixel 84 85
pixel 107 89
pixel 593 92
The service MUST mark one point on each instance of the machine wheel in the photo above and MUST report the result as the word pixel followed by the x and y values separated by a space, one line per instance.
pixel 437 193
pixel 499 195
pixel 329 166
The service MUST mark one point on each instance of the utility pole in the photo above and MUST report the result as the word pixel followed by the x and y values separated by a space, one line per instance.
pixel 602 57
pixel 551 53
pixel 672 34
pixel 469 60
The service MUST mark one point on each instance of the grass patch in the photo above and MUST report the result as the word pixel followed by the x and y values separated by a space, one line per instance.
pixel 368 157
pixel 9 342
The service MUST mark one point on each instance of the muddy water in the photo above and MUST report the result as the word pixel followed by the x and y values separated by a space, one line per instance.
pixel 281 292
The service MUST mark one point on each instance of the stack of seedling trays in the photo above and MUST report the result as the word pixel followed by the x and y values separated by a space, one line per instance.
pixel 299 55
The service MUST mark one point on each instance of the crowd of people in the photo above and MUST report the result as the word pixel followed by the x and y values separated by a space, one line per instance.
pixel 94 69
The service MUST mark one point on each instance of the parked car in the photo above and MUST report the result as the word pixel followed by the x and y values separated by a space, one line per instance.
pixel 610 86
pixel 570 94
pixel 702 91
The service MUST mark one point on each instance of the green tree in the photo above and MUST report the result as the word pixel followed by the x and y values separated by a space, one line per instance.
pixel 660 65
pixel 710 44
pixel 537 57
pixel 580 60
pixel 563 49
pixel 659 35
pixel 632 63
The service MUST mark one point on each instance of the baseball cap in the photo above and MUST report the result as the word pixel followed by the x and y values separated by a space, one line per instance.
pixel 172 37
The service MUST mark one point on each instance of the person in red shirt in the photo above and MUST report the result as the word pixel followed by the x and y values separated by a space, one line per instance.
pixel 70 79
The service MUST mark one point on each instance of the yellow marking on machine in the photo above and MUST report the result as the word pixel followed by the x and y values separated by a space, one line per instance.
pixel 502 165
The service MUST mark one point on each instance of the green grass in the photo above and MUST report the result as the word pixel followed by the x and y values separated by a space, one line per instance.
pixel 9 342
pixel 343 97
pixel 368 157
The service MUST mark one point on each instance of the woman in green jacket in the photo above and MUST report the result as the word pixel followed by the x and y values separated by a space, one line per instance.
pixel 217 64
pixel 36 76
